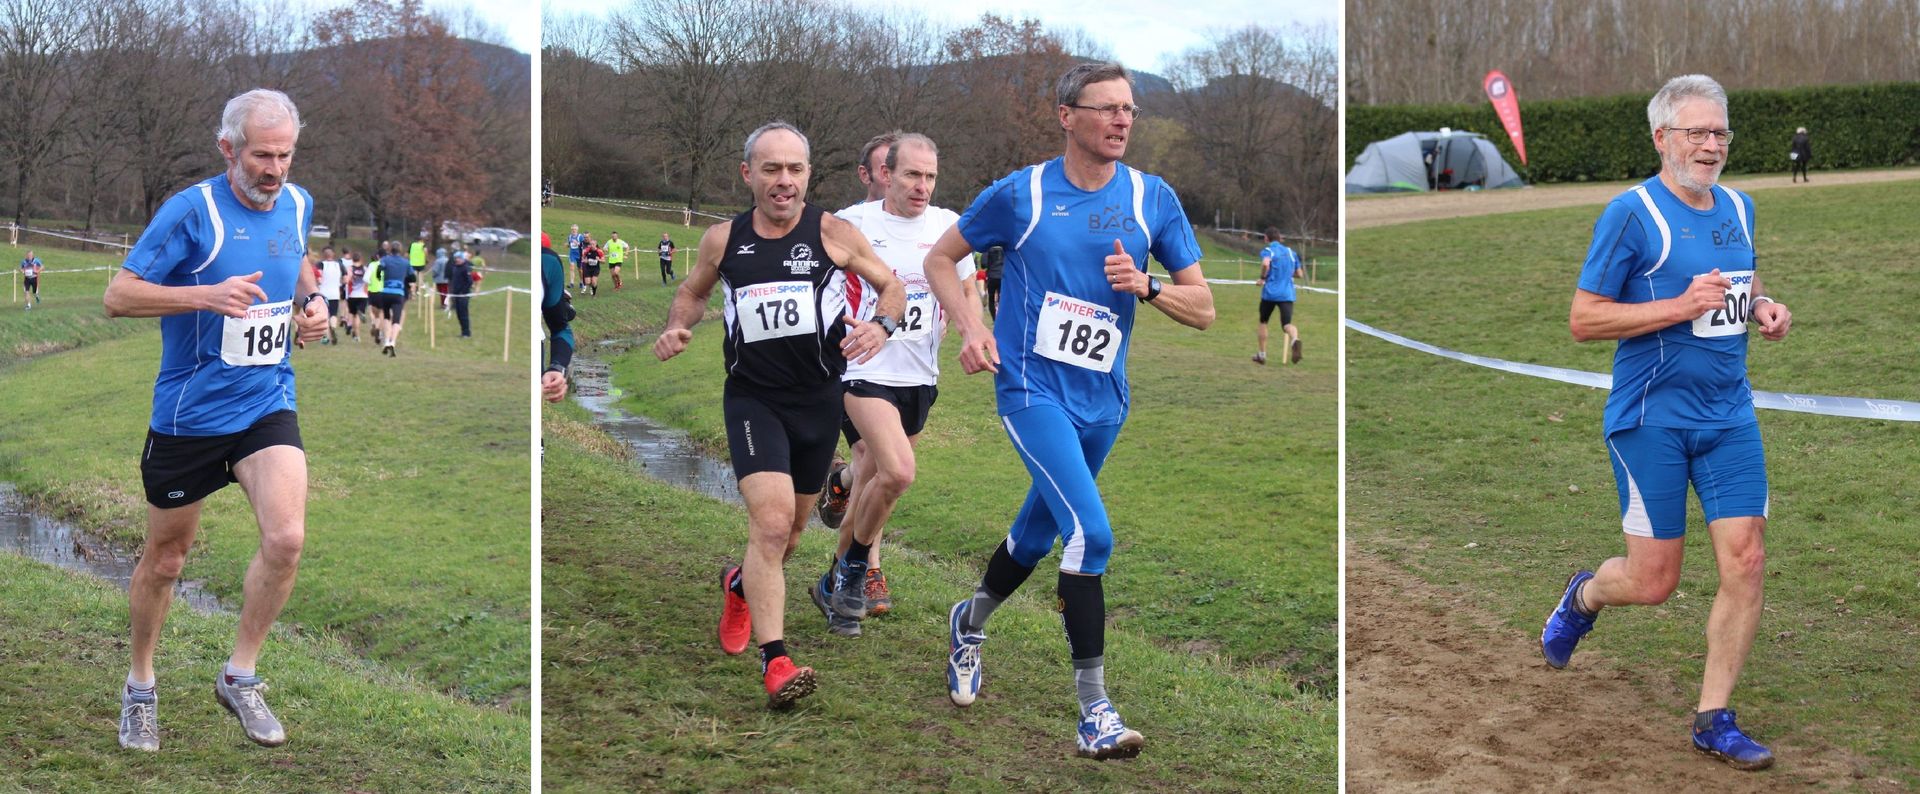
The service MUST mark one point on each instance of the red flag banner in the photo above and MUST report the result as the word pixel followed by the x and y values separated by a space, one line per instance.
pixel 1507 104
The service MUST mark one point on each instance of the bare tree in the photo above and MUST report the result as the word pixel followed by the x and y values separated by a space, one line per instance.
pixel 37 41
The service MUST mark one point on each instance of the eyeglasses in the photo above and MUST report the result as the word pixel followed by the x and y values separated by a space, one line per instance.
pixel 1698 135
pixel 1109 111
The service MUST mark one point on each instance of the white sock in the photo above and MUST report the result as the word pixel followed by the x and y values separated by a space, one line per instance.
pixel 235 672
pixel 141 688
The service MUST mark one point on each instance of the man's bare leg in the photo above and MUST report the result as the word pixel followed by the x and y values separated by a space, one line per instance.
pixel 1739 546
pixel 275 480
pixel 170 534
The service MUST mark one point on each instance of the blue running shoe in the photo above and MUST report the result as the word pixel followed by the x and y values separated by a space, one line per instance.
pixel 963 658
pixel 1565 626
pixel 1725 741
pixel 1103 737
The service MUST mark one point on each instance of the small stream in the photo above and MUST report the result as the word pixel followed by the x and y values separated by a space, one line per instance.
pixel 58 543
pixel 666 453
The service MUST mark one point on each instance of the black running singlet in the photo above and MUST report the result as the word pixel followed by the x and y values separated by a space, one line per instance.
pixel 784 300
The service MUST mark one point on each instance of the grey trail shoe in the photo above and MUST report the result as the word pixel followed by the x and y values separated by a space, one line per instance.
pixel 243 698
pixel 140 724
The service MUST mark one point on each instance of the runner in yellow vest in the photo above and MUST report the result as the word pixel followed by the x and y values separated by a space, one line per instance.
pixel 616 254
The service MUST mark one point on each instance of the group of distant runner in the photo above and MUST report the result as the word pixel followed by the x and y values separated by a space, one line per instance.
pixel 385 282
pixel 586 255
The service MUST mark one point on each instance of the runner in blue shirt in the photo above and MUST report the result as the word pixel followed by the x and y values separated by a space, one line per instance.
pixel 1278 267
pixel 1671 275
pixel 1077 231
pixel 222 264
pixel 30 267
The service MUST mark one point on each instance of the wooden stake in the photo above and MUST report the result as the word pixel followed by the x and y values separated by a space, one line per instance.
pixel 506 334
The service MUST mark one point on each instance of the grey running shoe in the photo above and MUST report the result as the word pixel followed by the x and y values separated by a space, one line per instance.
pixel 836 625
pixel 243 698
pixel 140 724
pixel 833 502
pixel 849 596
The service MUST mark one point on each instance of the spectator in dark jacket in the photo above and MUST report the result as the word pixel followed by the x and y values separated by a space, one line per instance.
pixel 1801 152
pixel 460 281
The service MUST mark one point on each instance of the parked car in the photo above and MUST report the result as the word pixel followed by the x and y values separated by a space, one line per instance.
pixel 321 232
pixel 490 235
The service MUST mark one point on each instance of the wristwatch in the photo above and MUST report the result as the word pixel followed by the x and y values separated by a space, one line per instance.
pixel 887 324
pixel 1153 289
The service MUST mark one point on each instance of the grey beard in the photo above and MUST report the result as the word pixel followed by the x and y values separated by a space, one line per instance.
pixel 255 195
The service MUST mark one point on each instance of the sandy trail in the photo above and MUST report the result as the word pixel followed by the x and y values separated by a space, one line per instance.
pixel 1442 697
pixel 1390 210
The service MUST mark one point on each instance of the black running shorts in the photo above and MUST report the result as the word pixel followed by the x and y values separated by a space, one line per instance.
pixel 180 470
pixel 1286 311
pixel 913 403
pixel 790 432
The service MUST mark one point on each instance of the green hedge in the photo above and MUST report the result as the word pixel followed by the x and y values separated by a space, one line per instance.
pixel 1606 138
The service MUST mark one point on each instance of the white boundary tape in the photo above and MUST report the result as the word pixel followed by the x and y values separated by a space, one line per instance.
pixel 640 205
pixel 1296 286
pixel 68 236
pixel 1825 405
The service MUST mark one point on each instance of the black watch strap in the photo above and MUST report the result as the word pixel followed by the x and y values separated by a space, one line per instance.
pixel 1153 289
pixel 887 323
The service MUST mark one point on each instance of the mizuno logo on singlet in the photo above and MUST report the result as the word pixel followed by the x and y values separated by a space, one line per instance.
pixel 745 249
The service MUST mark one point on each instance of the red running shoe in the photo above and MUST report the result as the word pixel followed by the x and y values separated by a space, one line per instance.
pixel 736 625
pixel 786 683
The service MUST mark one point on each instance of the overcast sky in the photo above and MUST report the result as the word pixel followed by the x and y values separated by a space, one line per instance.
pixel 1142 34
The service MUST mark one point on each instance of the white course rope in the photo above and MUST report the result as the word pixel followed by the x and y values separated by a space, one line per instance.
pixel 1856 407
pixel 640 205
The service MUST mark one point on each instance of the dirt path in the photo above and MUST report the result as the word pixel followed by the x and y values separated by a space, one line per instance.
pixel 1443 697
pixel 1390 210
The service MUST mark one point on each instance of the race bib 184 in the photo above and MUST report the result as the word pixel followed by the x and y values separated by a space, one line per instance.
pixel 1073 331
pixel 775 309
pixel 1730 318
pixel 260 338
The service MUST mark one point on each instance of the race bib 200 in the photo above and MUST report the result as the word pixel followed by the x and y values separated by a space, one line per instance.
pixel 260 338
pixel 1731 317
pixel 1077 332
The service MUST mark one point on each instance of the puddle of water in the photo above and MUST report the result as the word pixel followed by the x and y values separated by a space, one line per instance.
pixel 666 453
pixel 58 543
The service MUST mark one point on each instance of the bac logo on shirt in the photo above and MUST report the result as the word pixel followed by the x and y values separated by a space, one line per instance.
pixel 1729 234
pixel 1113 217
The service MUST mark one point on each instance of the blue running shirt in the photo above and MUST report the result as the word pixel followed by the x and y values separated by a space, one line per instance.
pixel 1279 284
pixel 220 374
pixel 1647 246
pixel 1063 332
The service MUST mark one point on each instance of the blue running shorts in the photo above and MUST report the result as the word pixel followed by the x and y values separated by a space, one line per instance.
pixel 1652 466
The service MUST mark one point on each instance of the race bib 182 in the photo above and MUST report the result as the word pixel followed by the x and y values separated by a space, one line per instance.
pixel 1730 318
pixel 775 309
pixel 260 338
pixel 1073 331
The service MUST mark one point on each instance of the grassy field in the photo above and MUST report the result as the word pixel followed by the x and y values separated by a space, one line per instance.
pixel 1221 596
pixel 416 566
pixel 355 725
pixel 1433 446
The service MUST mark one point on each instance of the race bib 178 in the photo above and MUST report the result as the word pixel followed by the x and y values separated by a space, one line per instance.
pixel 1731 317
pixel 1077 332
pixel 260 338
pixel 775 309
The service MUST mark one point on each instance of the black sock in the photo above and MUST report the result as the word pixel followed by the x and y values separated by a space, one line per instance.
pixel 771 651
pixel 857 553
pixel 1703 720
pixel 1580 602
pixel 737 586
pixel 1083 612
